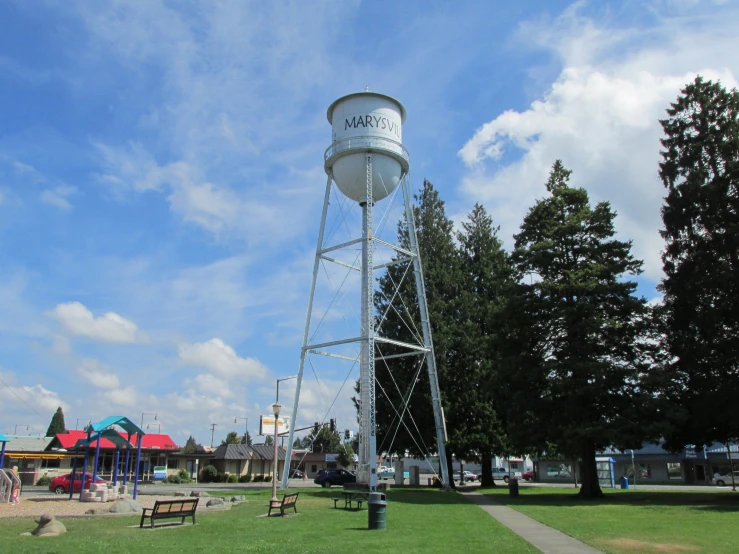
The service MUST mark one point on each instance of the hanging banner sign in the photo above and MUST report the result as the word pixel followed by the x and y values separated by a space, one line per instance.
pixel 267 425
pixel 330 457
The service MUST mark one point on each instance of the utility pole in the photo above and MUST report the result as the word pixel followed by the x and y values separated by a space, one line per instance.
pixel 212 433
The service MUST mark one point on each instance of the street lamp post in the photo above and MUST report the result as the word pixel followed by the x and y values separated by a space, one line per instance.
pixel 147 413
pixel 77 423
pixel 287 463
pixel 276 411
pixel 159 427
pixel 15 432
pixel 246 428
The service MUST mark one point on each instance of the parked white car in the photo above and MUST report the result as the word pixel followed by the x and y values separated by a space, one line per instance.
pixel 386 472
pixel 503 473
pixel 468 476
pixel 722 480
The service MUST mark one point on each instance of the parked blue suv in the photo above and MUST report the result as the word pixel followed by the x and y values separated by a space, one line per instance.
pixel 328 477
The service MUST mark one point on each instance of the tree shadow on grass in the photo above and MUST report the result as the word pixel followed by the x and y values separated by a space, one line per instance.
pixel 705 501
pixel 401 495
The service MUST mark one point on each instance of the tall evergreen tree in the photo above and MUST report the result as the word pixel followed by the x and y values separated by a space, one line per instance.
pixel 246 439
pixel 406 378
pixel 700 169
pixel 572 374
pixel 57 424
pixel 485 278
pixel 191 445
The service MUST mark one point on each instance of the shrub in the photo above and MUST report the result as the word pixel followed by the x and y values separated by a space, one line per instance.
pixel 173 479
pixel 184 475
pixel 233 478
pixel 258 478
pixel 209 474
pixel 221 477
pixel 245 478
pixel 44 481
pixel 267 478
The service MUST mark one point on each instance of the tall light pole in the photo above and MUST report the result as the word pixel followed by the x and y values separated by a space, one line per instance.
pixel 212 433
pixel 159 427
pixel 286 465
pixel 15 431
pixel 275 410
pixel 246 428
pixel 146 413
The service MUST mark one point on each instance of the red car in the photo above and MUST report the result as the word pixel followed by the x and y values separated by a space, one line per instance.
pixel 60 485
pixel 528 475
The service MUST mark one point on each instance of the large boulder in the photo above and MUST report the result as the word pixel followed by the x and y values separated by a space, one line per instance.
pixel 127 506
pixel 215 503
pixel 180 493
pixel 199 494
pixel 238 498
pixel 48 526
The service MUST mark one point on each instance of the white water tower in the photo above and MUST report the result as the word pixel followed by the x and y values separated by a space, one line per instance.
pixel 367 160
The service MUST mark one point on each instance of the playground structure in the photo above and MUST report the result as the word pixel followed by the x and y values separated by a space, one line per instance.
pixel 9 482
pixel 96 433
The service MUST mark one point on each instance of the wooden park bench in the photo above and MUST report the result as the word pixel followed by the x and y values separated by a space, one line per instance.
pixel 289 500
pixel 165 509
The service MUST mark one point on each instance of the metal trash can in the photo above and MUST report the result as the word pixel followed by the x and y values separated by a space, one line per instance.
pixel 513 487
pixel 624 482
pixel 377 506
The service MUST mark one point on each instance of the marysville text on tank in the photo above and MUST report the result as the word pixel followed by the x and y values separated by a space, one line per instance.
pixel 373 121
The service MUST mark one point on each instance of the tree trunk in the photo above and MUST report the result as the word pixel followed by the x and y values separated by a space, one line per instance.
pixel 450 468
pixel 487 471
pixel 589 475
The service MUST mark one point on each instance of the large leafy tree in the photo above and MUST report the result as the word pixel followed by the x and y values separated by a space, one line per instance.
pixel 485 278
pixel 573 370
pixel 57 424
pixel 700 169
pixel 402 380
pixel 231 438
pixel 324 439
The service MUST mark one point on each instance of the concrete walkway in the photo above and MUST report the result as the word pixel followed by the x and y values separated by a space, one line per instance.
pixel 546 539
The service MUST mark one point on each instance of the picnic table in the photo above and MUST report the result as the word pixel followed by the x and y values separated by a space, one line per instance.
pixel 349 497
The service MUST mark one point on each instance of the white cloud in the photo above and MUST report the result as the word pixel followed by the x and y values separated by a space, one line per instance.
pixel 25 400
pixel 220 358
pixel 109 327
pixel 210 384
pixel 98 374
pixel 125 397
pixel 600 117
pixel 58 196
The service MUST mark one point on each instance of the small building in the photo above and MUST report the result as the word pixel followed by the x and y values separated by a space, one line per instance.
pixel 240 459
pixel 29 455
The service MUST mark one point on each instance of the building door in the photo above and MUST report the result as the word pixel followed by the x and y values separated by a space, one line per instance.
pixel 700 473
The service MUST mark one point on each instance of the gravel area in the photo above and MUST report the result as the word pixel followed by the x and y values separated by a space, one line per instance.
pixel 60 506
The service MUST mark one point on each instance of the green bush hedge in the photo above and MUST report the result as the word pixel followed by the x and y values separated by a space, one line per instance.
pixel 245 478
pixel 173 479
pixel 44 481
pixel 210 474
pixel 233 478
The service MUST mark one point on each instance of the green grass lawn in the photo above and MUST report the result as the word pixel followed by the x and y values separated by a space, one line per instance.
pixel 417 521
pixel 636 521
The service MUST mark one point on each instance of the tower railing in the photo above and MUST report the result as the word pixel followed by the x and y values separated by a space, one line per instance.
pixel 368 143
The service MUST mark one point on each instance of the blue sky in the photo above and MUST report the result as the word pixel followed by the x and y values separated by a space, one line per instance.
pixel 161 171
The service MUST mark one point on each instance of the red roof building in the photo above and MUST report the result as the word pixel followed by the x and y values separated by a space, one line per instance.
pixel 149 442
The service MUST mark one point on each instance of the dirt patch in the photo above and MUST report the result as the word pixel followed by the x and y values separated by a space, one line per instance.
pixel 644 546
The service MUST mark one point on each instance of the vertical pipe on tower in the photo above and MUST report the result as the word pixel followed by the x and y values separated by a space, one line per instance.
pixel 367 363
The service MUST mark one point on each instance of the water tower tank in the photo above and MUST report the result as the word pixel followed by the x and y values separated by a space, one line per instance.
pixel 366 122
